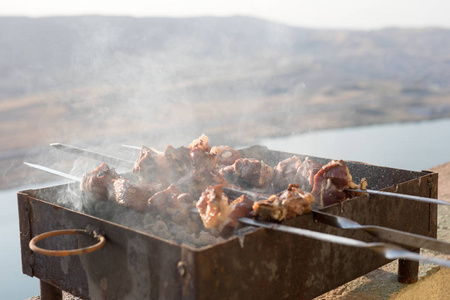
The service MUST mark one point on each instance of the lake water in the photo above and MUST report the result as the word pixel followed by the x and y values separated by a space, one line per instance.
pixel 412 146
pixel 13 283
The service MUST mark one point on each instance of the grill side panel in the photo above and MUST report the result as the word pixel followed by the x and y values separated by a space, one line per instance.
pixel 131 265
pixel 274 265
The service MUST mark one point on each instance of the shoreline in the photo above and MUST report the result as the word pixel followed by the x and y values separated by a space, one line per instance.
pixel 358 126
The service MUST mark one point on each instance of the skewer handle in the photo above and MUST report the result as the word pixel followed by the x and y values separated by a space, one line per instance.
pixel 402 196
pixel 389 251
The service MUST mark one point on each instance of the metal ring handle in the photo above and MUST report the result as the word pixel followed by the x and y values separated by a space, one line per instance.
pixel 79 251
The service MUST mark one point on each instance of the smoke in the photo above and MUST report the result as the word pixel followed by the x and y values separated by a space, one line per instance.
pixel 142 85
pixel 154 82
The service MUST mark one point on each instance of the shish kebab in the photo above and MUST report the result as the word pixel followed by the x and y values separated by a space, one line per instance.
pixel 389 251
pixel 388 234
pixel 130 164
pixel 266 209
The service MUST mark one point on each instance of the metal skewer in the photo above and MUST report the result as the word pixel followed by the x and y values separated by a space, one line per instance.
pixel 132 147
pixel 402 196
pixel 388 234
pixel 139 148
pixel 52 171
pixel 95 155
pixel 387 250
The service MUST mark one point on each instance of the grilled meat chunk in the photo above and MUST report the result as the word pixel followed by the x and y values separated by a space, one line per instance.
pixel 169 182
pixel 287 204
pixel 174 163
pixel 202 160
pixel 202 142
pixel 98 184
pixel 219 213
pixel 249 173
pixel 175 205
pixel 166 167
pixel 204 173
pixel 180 161
pixel 151 166
pixel 225 155
pixel 305 174
pixel 240 207
pixel 285 172
pixel 330 183
pixel 213 207
pixel 159 200
pixel 129 195
pixel 196 182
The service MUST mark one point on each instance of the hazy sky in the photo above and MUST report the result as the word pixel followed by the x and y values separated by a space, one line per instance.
pixel 352 14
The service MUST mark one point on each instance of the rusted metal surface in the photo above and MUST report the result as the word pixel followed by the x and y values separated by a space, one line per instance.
pixel 130 264
pixel 408 271
pixel 300 267
pixel 264 264
pixel 49 292
pixel 25 233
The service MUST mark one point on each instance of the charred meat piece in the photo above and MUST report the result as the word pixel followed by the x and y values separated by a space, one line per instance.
pixel 305 174
pixel 172 203
pixel 196 182
pixel 219 213
pixel 151 166
pixel 285 172
pixel 169 166
pixel 225 155
pixel 176 163
pixel 249 173
pixel 159 200
pixel 330 183
pixel 202 160
pixel 287 204
pixel 166 167
pixel 180 161
pixel 129 195
pixel 203 175
pixel 98 184
pixel 240 207
pixel 179 206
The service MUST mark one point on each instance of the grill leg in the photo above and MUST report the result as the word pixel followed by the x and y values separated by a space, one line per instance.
pixel 49 292
pixel 408 271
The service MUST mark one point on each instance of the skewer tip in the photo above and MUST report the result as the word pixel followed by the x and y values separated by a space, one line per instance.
pixel 131 147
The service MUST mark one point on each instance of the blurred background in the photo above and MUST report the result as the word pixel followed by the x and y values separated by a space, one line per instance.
pixel 359 80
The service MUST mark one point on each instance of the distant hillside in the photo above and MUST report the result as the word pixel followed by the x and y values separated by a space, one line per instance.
pixel 110 80
pixel 53 53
